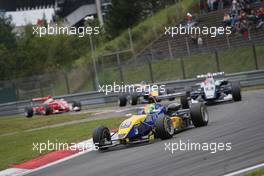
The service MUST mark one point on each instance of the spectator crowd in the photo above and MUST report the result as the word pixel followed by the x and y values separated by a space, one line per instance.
pixel 241 17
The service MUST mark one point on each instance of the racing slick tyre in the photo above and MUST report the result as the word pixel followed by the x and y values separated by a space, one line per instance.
pixel 77 105
pixel 47 110
pixel 122 100
pixel 236 91
pixel 101 134
pixel 134 99
pixel 199 115
pixel 184 102
pixel 170 91
pixel 164 127
pixel 29 112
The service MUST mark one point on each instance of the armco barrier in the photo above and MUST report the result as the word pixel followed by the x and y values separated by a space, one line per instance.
pixel 247 79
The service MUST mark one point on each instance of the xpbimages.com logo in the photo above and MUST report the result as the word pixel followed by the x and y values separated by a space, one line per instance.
pixel 128 88
pixel 212 147
pixel 57 30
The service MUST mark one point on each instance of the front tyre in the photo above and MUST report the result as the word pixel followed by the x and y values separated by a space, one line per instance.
pixel 134 99
pixel 122 100
pixel 164 127
pixel 101 135
pixel 199 115
pixel 236 91
pixel 29 112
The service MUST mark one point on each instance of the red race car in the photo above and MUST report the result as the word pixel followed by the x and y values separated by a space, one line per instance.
pixel 50 105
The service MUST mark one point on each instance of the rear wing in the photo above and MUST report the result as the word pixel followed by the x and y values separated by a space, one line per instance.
pixel 168 96
pixel 214 75
pixel 41 98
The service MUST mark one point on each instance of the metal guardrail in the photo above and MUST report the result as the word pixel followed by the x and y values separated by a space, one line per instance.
pixel 247 79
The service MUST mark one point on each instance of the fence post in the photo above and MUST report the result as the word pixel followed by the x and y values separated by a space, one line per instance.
pixel 150 67
pixel 93 78
pixel 217 61
pixel 131 43
pixel 187 46
pixel 183 68
pixel 66 82
pixel 94 63
pixel 170 51
pixel 228 41
pixel 17 90
pixel 255 56
pixel 119 66
pixel 41 88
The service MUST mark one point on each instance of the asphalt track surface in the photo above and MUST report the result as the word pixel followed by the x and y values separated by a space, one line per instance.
pixel 241 123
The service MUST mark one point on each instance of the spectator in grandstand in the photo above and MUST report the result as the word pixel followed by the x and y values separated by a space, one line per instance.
pixel 211 4
pixel 244 28
pixel 220 4
pixel 199 41
pixel 234 9
pixel 190 21
pixel 202 5
pixel 260 18
pixel 227 20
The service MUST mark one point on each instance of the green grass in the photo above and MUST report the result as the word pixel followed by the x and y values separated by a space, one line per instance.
pixel 231 61
pixel 17 148
pixel 144 32
pixel 20 123
pixel 258 172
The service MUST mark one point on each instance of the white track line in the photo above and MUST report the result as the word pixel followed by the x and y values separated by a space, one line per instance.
pixel 245 170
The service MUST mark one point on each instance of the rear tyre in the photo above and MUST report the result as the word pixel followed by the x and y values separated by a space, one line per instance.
pixel 199 115
pixel 134 99
pixel 77 104
pixel 101 134
pixel 122 100
pixel 236 91
pixel 184 102
pixel 29 112
pixel 47 110
pixel 164 127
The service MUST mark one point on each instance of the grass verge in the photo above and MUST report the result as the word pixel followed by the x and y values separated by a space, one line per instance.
pixel 17 148
pixel 258 172
pixel 20 123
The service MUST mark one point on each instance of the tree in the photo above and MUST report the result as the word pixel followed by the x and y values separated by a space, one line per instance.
pixel 122 15
pixel 125 14
pixel 7 37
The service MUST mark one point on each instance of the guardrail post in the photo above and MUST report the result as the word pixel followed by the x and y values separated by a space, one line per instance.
pixel 217 61
pixel 170 51
pixel 120 67
pixel 183 68
pixel 255 56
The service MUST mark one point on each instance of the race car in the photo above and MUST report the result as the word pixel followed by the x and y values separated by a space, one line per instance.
pixel 49 106
pixel 212 89
pixel 142 94
pixel 155 121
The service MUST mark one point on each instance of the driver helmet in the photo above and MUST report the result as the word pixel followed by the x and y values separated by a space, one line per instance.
pixel 148 109
pixel 209 75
